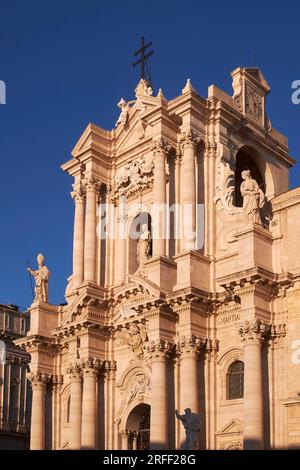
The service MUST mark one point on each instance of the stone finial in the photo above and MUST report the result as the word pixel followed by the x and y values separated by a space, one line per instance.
pixel 188 87
pixel 160 95
pixel 143 88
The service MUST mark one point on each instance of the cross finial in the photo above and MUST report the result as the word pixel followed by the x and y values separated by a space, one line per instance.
pixel 144 61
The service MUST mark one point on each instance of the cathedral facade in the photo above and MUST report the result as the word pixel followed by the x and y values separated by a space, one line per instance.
pixel 185 289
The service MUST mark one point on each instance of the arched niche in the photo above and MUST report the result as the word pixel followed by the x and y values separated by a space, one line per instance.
pixel 135 231
pixel 248 158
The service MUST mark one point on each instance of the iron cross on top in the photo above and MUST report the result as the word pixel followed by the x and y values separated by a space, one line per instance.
pixel 145 69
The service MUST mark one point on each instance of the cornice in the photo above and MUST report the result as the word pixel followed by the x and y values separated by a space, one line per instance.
pixel 38 343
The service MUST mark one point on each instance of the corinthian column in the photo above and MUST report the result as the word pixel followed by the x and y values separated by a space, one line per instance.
pixel 159 351
pixel 78 239
pixel 189 348
pixel 90 231
pixel 75 406
pixel 160 150
pixel 37 429
pixel 188 190
pixel 253 334
pixel 90 369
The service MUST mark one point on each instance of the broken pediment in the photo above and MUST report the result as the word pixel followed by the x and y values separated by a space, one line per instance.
pixel 129 298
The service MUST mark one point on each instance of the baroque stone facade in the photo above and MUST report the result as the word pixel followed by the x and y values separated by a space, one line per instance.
pixel 201 309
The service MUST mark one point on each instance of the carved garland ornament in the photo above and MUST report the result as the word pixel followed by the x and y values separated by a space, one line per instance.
pixel 134 177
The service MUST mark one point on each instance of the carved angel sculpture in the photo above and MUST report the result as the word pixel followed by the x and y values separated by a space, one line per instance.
pixel 135 336
pixel 123 118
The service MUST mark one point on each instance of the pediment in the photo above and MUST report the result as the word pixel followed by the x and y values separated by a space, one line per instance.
pixel 258 76
pixel 137 286
pixel 137 126
pixel 92 137
pixel 232 427
pixel 78 307
pixel 132 133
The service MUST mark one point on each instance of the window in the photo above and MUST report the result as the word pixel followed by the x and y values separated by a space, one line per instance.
pixel 235 380
pixel 68 410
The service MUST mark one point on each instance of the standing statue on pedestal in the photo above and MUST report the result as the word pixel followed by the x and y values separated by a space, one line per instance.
pixel 41 277
pixel 253 198
pixel 143 249
pixel 192 425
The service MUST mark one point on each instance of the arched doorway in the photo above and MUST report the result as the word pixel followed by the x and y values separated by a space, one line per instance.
pixel 138 427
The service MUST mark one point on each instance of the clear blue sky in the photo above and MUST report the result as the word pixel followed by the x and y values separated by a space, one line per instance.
pixel 67 63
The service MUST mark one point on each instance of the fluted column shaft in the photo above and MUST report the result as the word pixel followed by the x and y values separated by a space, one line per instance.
pixel 188 192
pixel 122 237
pixel 89 407
pixel 37 429
pixel 159 198
pixel 189 394
pixel 90 231
pixel 159 395
pixel 252 335
pixel 75 408
pixel 188 348
pixel 78 238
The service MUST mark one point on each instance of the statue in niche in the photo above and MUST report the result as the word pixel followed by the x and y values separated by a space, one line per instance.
pixel 192 425
pixel 143 249
pixel 41 277
pixel 253 198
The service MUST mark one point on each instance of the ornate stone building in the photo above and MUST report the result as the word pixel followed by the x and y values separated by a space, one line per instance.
pixel 15 391
pixel 200 310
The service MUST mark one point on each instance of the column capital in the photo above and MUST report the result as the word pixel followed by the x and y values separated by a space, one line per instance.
pixel 190 345
pixel 160 348
pixel 160 147
pixel 253 332
pixel 57 380
pixel 277 332
pixel 189 139
pixel 38 379
pixel 110 368
pixel 74 371
pixel 78 195
pixel 210 146
pixel 90 366
pixel 91 183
